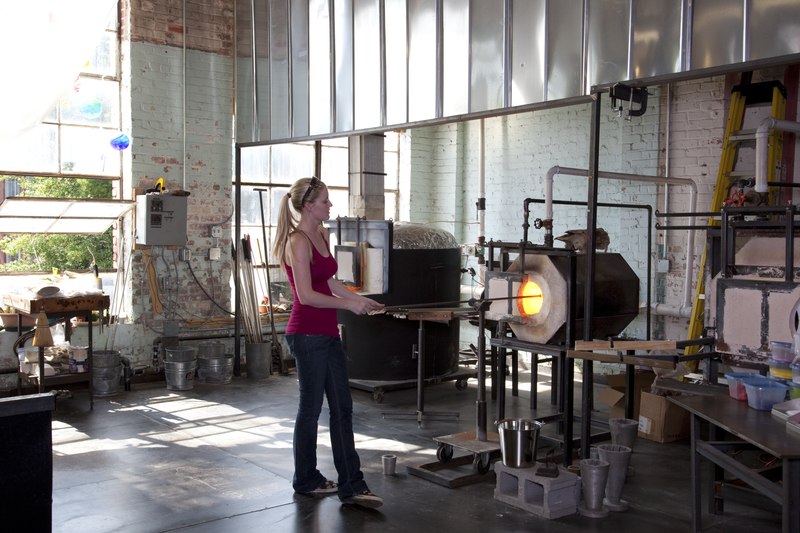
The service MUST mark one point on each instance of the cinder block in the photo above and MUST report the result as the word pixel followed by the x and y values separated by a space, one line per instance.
pixel 543 496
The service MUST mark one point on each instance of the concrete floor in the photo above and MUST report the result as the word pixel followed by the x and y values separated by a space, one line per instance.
pixel 217 458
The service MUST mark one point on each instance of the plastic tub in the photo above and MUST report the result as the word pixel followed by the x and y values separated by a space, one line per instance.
pixel 763 394
pixel 794 390
pixel 780 369
pixel 736 380
pixel 781 351
pixel 795 372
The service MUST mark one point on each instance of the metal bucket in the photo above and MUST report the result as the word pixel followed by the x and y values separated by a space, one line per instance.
pixel 180 354
pixel 106 372
pixel 518 441
pixel 258 359
pixel 180 374
pixel 215 370
pixel 208 350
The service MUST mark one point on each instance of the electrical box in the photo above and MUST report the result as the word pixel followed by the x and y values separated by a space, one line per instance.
pixel 161 219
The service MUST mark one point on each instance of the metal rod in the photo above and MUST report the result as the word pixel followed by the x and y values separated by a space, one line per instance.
pixel 588 305
pixel 480 403
pixel 789 258
pixel 237 291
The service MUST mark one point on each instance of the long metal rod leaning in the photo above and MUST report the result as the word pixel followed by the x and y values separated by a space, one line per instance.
pixel 472 302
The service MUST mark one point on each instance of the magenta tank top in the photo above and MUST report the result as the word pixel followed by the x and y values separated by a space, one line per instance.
pixel 307 319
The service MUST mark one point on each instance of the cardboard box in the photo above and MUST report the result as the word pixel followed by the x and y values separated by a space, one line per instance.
pixel 661 420
pixel 614 395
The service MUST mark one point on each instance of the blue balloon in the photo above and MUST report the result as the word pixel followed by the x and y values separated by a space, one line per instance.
pixel 120 142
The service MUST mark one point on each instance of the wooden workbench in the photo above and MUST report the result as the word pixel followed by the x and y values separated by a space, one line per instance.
pixel 63 307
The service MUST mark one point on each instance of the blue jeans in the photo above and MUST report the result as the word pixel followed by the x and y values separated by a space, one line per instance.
pixel 322 371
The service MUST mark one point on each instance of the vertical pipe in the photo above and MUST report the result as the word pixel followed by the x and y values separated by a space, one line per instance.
pixel 588 287
pixel 382 23
pixel 649 269
pixel 789 259
pixel 480 403
pixel 183 102
pixel 254 125
pixel 663 254
pixel 439 59
pixel 566 399
pixel 481 198
pixel 237 369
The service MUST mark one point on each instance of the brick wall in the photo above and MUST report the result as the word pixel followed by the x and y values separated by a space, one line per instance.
pixel 181 120
pixel 519 149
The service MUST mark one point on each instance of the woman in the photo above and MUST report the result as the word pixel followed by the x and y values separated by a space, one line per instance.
pixel 312 334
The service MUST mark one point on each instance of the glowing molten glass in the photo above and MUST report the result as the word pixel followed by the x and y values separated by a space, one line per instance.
pixel 531 299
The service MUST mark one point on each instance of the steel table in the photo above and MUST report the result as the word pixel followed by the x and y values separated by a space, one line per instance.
pixel 751 428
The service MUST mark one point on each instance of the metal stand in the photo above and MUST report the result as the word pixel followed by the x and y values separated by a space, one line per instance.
pixel 420 413
pixel 482 445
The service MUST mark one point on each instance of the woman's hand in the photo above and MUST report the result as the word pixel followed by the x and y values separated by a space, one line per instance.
pixel 363 306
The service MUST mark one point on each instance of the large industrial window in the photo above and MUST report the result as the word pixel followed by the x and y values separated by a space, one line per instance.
pixel 267 172
pixel 73 157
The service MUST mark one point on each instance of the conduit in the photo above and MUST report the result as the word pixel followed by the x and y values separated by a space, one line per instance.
pixel 481 198
pixel 762 147
pixel 685 309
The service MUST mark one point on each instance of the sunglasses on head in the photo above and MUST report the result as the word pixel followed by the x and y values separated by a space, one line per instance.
pixel 313 184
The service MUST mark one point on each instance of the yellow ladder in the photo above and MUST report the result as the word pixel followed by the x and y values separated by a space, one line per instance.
pixel 742 96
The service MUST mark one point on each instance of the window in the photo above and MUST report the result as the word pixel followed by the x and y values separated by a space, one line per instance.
pixel 68 155
pixel 267 172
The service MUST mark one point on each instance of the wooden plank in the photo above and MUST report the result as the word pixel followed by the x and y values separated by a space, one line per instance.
pixel 440 315
pixel 626 345
pixel 593 345
pixel 624 359
pixel 645 345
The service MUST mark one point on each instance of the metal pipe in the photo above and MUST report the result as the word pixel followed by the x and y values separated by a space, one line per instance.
pixel 690 239
pixel 481 198
pixel 762 147
pixel 587 388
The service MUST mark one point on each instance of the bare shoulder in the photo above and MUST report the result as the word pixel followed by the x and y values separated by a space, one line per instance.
pixel 299 245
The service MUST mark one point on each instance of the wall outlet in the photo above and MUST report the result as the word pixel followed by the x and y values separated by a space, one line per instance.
pixel 185 254
pixel 216 232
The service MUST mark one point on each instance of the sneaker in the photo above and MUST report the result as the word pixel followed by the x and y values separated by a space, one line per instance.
pixel 365 499
pixel 327 487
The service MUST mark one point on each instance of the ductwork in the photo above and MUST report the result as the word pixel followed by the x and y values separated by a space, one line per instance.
pixel 688 277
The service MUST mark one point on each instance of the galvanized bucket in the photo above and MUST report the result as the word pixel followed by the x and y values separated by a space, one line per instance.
pixel 180 374
pixel 518 441
pixel 106 372
pixel 215 370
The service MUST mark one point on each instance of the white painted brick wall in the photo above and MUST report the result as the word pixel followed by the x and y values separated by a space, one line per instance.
pixel 520 149
pixel 206 171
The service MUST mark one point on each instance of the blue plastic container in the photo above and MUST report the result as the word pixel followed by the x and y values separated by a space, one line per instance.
pixel 763 394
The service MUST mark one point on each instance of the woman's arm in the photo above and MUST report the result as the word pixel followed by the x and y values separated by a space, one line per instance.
pixel 346 294
pixel 300 261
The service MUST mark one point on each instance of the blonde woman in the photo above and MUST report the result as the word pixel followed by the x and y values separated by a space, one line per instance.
pixel 312 333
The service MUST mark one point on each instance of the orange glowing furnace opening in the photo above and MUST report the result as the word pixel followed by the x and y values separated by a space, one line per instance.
pixel 531 298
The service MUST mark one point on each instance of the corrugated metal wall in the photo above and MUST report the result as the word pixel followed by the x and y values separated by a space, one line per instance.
pixel 322 67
